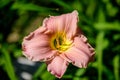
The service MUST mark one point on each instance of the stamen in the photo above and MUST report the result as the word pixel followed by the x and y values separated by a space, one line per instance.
pixel 60 43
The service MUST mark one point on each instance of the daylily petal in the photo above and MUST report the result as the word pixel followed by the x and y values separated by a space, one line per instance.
pixel 57 66
pixel 81 53
pixel 36 46
pixel 66 23
pixel 77 57
pixel 81 43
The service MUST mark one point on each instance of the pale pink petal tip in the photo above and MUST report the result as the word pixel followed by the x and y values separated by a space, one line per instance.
pixel 75 12
pixel 57 66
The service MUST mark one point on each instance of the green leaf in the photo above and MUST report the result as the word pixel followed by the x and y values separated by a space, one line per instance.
pixel 17 53
pixel 47 76
pixel 4 3
pixel 118 2
pixel 28 6
pixel 80 72
pixel 99 51
pixel 111 11
pixel 101 15
pixel 116 64
pixel 116 36
pixel 77 5
pixel 63 4
pixel 39 71
pixel 8 64
pixel 91 8
pixel 67 76
pixel 76 78
pixel 2 61
pixel 108 73
pixel 108 26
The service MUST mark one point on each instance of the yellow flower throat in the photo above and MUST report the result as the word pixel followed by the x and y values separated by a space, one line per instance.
pixel 60 43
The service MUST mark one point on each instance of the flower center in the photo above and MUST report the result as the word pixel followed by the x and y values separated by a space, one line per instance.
pixel 60 43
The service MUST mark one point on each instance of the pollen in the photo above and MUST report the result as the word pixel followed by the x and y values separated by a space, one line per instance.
pixel 60 42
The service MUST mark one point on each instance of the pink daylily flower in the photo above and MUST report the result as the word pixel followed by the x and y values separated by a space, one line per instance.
pixel 59 42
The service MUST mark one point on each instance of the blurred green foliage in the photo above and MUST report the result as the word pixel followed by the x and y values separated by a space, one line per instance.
pixel 98 19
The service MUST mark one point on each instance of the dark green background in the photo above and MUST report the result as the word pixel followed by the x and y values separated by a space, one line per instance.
pixel 98 19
